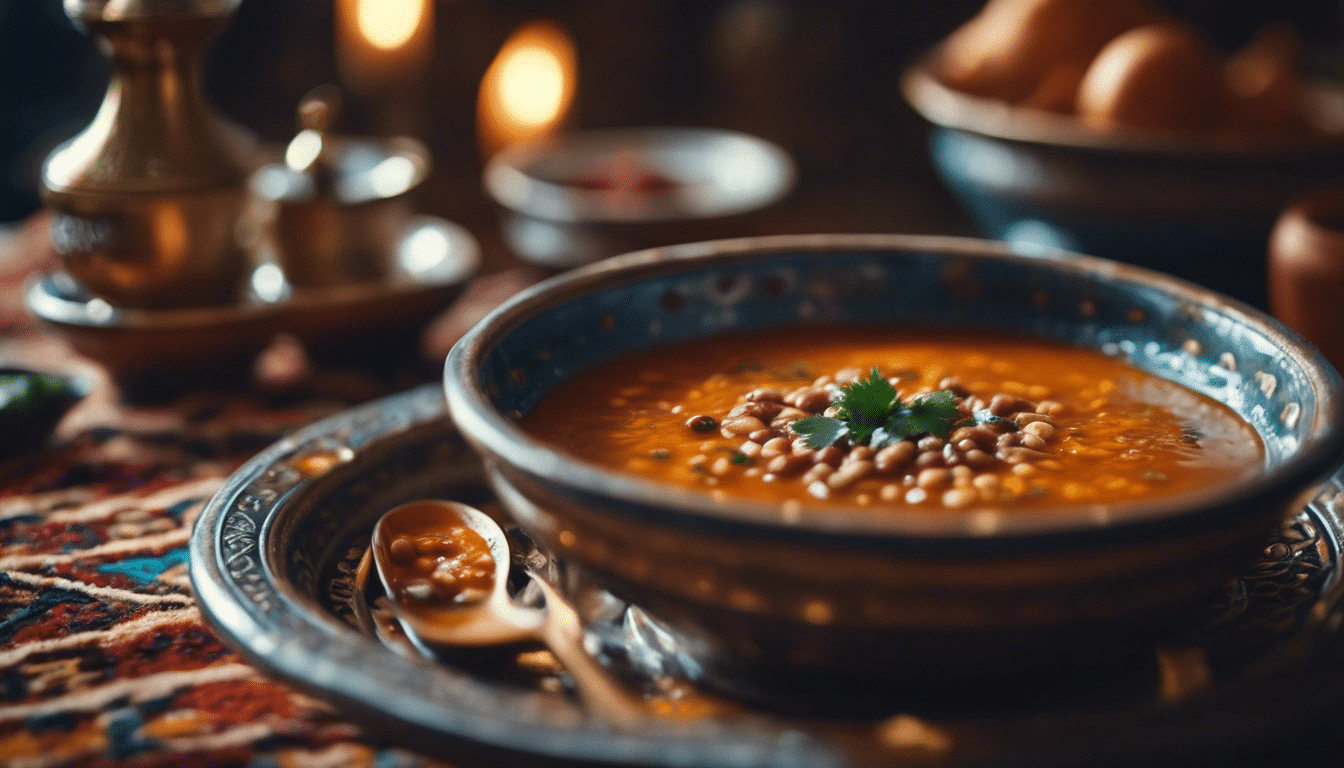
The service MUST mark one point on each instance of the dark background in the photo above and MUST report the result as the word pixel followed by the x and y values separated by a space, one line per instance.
pixel 817 77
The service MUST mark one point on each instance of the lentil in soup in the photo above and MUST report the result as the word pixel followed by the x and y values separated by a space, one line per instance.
pixel 889 418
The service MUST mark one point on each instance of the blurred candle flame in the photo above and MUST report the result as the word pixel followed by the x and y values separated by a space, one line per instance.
pixel 529 88
pixel 389 24
pixel 383 44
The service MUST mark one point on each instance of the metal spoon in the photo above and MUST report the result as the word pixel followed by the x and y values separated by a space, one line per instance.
pixel 362 602
pixel 494 618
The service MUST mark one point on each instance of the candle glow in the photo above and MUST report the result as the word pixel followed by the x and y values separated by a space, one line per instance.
pixel 384 47
pixel 389 24
pixel 529 88
pixel 533 84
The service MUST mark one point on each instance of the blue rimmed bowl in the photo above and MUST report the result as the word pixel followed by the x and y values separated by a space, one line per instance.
pixel 834 593
pixel 1196 206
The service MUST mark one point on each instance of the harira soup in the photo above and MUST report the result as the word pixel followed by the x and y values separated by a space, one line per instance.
pixel 897 418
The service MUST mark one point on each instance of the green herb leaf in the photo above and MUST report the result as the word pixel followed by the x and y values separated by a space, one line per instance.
pixel 865 405
pixel 929 415
pixel 30 391
pixel 871 413
pixel 941 405
pixel 748 365
pixel 820 431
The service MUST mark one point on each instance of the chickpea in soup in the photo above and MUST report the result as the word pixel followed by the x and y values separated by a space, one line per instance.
pixel 890 419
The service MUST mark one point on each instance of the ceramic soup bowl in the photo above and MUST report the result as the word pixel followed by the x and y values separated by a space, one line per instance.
pixel 830 594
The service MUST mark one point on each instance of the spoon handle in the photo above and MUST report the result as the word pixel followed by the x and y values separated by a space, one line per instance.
pixel 562 632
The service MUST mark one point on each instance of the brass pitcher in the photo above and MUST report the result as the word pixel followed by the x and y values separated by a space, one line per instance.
pixel 146 201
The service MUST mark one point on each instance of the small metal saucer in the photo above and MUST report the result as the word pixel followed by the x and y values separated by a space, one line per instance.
pixel 161 350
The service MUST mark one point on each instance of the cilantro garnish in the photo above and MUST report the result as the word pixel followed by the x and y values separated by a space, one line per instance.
pixel 820 431
pixel 929 415
pixel 864 406
pixel 871 413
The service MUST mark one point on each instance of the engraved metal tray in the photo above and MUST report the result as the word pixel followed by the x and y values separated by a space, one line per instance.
pixel 273 554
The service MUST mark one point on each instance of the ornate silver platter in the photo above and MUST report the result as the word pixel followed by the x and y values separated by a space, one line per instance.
pixel 273 554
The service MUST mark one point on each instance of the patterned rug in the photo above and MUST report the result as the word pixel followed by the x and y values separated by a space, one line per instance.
pixel 104 658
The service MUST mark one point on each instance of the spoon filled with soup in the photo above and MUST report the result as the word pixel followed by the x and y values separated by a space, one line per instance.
pixel 445 566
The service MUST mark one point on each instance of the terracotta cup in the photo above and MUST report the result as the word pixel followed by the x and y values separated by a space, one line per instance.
pixel 1306 270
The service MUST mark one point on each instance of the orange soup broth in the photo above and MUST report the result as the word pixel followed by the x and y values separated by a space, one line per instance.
pixel 1122 434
